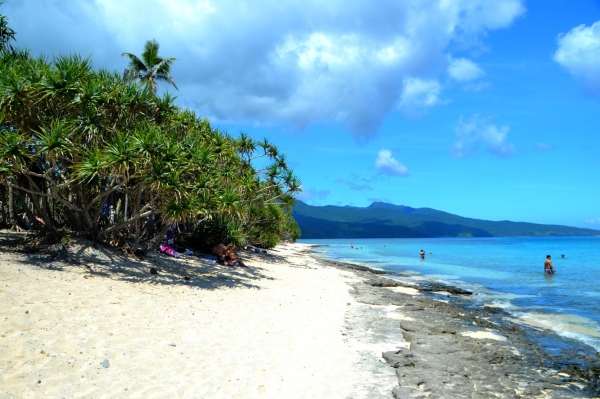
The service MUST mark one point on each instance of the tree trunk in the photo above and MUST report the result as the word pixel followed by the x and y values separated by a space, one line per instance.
pixel 136 241
pixel 4 210
pixel 11 208
pixel 30 215
pixel 49 223
pixel 91 225
pixel 153 244
pixel 136 209
pixel 126 206
pixel 118 209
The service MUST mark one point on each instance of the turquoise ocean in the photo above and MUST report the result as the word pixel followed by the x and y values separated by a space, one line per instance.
pixel 506 272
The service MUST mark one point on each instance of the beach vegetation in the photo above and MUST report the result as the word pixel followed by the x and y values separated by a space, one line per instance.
pixel 91 152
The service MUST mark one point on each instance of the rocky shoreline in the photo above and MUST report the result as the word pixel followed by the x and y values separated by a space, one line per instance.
pixel 451 349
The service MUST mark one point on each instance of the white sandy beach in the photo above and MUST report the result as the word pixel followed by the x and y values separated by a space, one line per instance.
pixel 273 330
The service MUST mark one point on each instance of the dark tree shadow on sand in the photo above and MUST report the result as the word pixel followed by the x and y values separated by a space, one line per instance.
pixel 97 261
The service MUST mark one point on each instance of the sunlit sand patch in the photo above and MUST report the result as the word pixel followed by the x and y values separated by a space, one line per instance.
pixel 398 316
pixel 58 328
pixel 405 290
pixel 489 334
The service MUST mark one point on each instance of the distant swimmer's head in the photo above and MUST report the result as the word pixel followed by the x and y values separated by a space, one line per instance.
pixel 548 256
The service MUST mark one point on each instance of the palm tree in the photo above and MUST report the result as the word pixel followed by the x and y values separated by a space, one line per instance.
pixel 150 68
pixel 6 33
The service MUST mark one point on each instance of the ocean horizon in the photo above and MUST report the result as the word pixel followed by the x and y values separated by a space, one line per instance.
pixel 505 272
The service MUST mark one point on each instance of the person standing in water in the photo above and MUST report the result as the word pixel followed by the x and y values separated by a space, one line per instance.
pixel 548 268
pixel 422 254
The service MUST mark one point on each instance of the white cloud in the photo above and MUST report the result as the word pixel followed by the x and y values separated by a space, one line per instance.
pixel 544 147
pixel 579 53
pixel 479 131
pixel 419 94
pixel 593 221
pixel 477 86
pixel 387 164
pixel 297 63
pixel 463 70
pixel 307 195
pixel 354 186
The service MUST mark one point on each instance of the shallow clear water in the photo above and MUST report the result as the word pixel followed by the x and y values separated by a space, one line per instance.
pixel 503 271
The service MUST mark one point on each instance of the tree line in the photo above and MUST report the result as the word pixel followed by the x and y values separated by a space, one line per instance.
pixel 100 154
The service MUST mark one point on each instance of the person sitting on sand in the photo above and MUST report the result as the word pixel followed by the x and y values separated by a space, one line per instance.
pixel 548 268
pixel 231 258
pixel 220 251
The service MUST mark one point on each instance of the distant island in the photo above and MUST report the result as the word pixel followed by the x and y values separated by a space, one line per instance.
pixel 384 220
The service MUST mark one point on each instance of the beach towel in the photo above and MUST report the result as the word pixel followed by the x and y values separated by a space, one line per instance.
pixel 210 258
pixel 167 250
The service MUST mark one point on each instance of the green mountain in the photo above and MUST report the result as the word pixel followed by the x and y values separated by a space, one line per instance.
pixel 383 220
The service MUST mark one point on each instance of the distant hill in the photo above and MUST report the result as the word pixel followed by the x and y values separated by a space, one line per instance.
pixel 383 220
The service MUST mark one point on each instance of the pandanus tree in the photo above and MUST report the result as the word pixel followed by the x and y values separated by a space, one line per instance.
pixel 91 152
pixel 151 68
pixel 7 34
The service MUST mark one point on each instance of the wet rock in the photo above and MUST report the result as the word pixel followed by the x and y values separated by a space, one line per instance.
pixel 398 358
pixel 494 310
pixel 385 283
pixel 441 363
pixel 443 287
pixel 409 393
pixel 153 270
pixel 410 326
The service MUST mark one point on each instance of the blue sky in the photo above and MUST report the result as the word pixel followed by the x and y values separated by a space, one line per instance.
pixel 486 109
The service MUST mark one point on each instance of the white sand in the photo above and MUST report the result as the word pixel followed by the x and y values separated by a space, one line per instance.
pixel 273 330
pixel 488 334
pixel 405 290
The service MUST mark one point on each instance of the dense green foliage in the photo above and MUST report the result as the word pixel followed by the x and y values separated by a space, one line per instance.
pixel 90 152
pixel 381 220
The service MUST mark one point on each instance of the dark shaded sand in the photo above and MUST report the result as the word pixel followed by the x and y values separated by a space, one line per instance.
pixel 453 350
